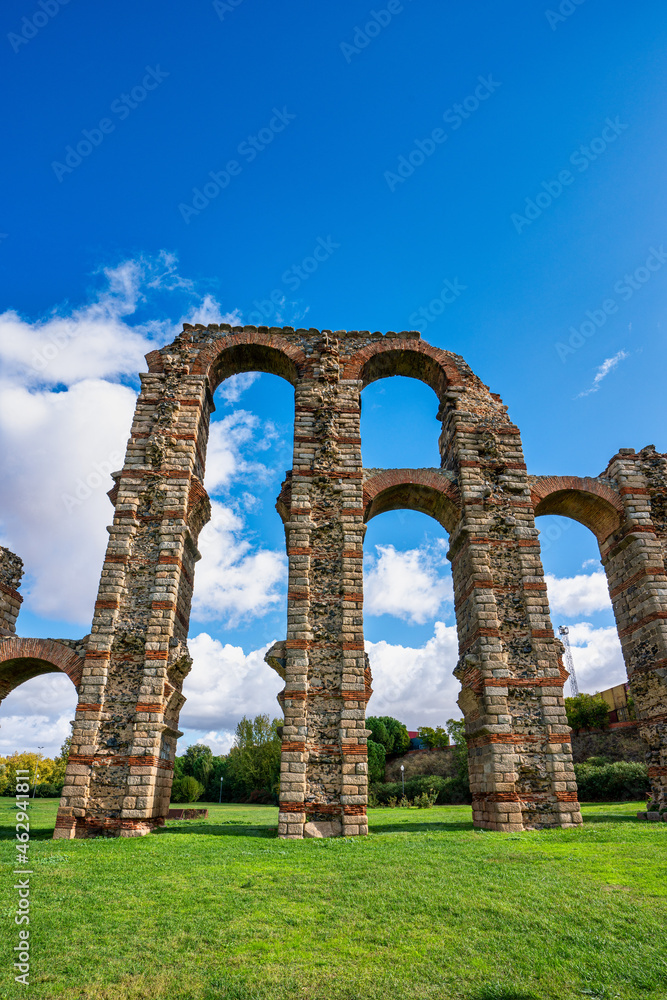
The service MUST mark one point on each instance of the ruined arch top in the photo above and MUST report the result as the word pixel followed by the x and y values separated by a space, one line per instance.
pixel 594 504
pixel 23 659
pixel 243 349
pixel 428 491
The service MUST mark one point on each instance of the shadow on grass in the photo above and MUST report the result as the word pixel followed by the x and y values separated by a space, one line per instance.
pixel 231 829
pixel 425 827
pixel 610 818
pixel 36 832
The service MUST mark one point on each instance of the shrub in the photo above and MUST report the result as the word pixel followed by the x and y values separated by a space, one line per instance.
pixel 186 789
pixel 49 790
pixel 444 791
pixel 426 800
pixel 376 761
pixel 621 781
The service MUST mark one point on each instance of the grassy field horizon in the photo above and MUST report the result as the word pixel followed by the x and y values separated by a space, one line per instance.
pixel 425 907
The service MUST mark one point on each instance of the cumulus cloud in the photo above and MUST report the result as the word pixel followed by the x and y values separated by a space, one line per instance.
pixel 225 460
pixel 597 655
pixel 225 684
pixel 38 714
pixel 577 595
pixel 65 418
pixel 416 685
pixel 58 451
pixel 234 582
pixel 408 584
pixel 233 387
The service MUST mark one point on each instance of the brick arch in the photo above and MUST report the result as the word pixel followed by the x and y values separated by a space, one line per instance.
pixel 23 659
pixel 588 501
pixel 424 490
pixel 247 350
pixel 403 355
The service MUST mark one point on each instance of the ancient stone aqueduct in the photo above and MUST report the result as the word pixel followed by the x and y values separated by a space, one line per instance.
pixel 129 671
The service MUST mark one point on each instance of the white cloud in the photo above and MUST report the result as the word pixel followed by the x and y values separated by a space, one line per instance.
pixel 578 595
pixel 58 451
pixel 406 584
pixel 225 684
pixel 225 463
pixel 233 387
pixel 416 685
pixel 607 366
pixel 233 582
pixel 38 714
pixel 59 445
pixel 597 655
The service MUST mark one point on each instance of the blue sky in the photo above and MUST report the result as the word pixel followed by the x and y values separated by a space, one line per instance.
pixel 491 174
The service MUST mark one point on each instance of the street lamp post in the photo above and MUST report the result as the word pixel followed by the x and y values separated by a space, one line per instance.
pixel 36 776
pixel 221 780
pixel 403 778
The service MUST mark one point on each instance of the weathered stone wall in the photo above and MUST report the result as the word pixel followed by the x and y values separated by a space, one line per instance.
pixel 124 736
pixel 416 762
pixel 11 573
pixel 622 742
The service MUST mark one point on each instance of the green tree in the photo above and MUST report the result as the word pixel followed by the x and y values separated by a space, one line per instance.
pixel 376 761
pixel 435 739
pixel 379 732
pixel 587 711
pixel 254 760
pixel 457 732
pixel 198 762
pixel 391 733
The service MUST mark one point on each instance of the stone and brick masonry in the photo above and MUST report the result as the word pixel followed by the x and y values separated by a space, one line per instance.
pixel 129 671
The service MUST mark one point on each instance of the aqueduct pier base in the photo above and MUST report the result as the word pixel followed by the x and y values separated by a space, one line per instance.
pixel 130 670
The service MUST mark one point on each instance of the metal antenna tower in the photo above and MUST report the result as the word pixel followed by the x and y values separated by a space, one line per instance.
pixel 564 631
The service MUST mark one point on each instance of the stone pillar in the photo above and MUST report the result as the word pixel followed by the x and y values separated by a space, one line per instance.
pixel 323 789
pixel 510 664
pixel 11 573
pixel 634 560
pixel 124 736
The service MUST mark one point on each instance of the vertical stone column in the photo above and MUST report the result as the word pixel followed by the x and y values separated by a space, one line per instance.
pixel 634 560
pixel 324 768
pixel 11 574
pixel 124 737
pixel 510 665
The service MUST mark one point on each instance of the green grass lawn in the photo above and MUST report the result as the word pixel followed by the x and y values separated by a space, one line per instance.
pixel 423 908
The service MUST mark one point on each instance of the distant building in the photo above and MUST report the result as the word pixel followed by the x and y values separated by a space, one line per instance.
pixel 617 703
